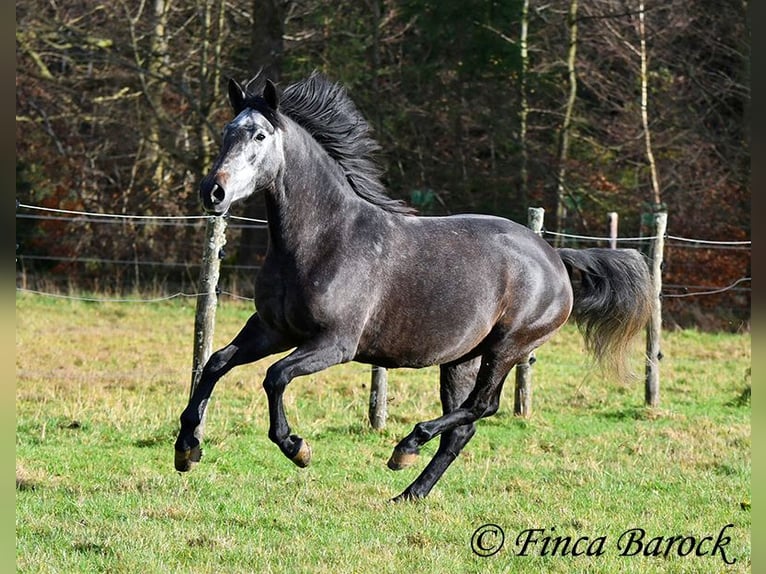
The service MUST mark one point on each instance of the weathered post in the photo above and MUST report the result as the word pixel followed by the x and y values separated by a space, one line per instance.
pixel 207 300
pixel 613 218
pixel 378 397
pixel 522 397
pixel 654 329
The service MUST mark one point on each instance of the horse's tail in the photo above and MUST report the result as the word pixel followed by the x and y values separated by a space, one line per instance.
pixel 613 300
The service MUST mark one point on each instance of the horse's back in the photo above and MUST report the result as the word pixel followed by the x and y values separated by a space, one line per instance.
pixel 485 249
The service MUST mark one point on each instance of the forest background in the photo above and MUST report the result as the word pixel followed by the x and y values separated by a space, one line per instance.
pixel 479 106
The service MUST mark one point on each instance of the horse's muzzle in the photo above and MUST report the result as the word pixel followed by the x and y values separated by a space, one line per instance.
pixel 213 196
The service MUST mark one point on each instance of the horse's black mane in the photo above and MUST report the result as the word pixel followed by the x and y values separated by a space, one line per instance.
pixel 325 111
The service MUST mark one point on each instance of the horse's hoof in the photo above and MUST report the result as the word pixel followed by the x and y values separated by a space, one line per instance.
pixel 400 460
pixel 404 497
pixel 303 458
pixel 185 459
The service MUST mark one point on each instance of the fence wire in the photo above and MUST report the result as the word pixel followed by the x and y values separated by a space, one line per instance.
pixel 41 213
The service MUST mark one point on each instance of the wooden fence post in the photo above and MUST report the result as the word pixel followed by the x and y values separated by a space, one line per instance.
pixel 522 396
pixel 613 218
pixel 654 329
pixel 207 300
pixel 378 397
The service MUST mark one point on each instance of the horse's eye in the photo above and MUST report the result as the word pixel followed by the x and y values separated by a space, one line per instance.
pixel 260 136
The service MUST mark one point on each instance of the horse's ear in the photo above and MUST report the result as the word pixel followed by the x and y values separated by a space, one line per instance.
pixel 270 95
pixel 236 96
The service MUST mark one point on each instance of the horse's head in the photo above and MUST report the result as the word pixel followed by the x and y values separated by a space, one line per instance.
pixel 251 154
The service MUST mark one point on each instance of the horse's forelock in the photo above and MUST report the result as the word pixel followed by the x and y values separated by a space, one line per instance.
pixel 258 104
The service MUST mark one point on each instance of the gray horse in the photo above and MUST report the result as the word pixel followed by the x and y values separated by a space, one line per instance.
pixel 352 275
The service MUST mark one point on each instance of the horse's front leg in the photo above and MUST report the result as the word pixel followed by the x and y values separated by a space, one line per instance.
pixel 253 342
pixel 309 358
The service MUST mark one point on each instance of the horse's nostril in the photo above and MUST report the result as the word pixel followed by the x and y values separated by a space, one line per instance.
pixel 218 193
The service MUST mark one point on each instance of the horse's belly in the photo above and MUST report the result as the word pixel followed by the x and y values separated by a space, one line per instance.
pixel 418 340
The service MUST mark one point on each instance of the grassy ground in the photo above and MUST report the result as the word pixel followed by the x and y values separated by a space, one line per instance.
pixel 100 388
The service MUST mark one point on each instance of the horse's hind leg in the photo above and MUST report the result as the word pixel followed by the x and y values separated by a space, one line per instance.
pixel 483 400
pixel 457 381
pixel 253 342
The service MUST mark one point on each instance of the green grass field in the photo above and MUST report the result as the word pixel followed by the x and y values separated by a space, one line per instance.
pixel 100 386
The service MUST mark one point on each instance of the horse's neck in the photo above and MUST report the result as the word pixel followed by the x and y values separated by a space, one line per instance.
pixel 310 199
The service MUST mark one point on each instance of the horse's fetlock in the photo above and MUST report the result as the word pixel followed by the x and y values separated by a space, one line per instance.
pixel 278 437
pixel 422 434
pixel 189 420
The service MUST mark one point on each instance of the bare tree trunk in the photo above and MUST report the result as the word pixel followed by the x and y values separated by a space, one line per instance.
pixel 267 53
pixel 375 61
pixel 523 103
pixel 203 137
pixel 209 77
pixel 561 210
pixel 267 43
pixel 157 64
pixel 656 196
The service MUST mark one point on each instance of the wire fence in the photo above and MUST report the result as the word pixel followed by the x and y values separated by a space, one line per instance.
pixel 65 253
